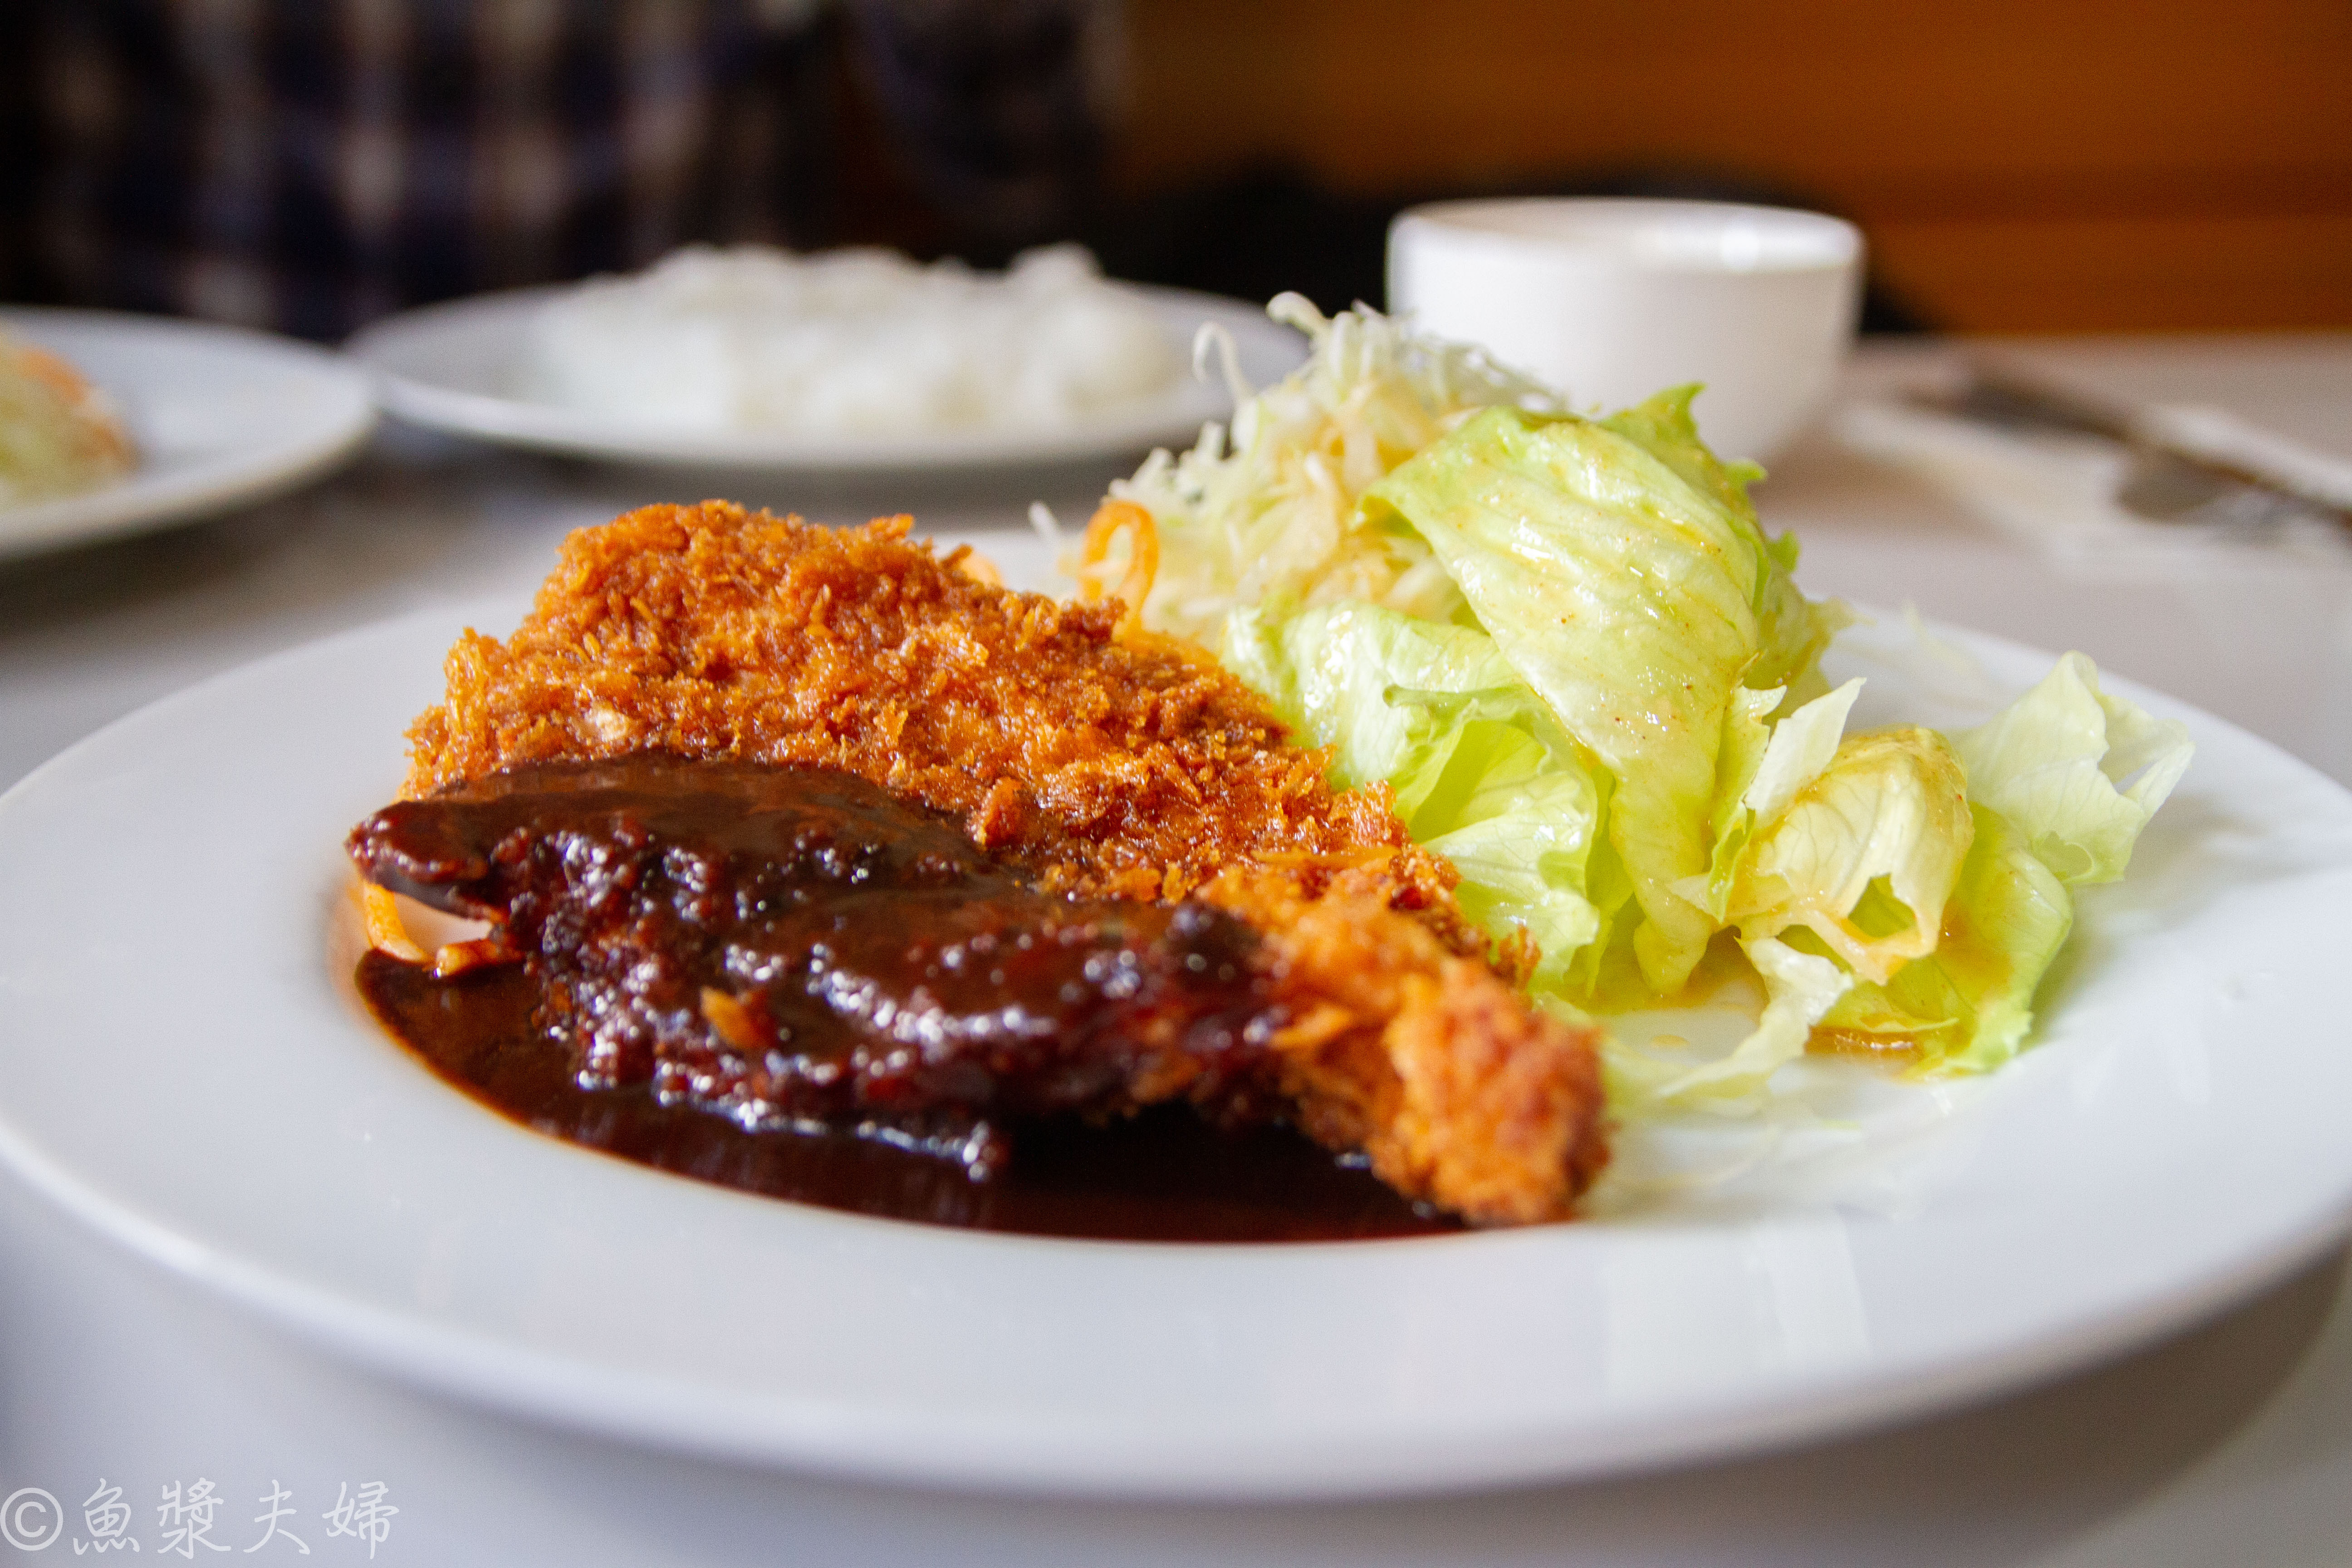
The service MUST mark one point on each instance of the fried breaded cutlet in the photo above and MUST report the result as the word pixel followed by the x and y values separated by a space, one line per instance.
pixel 796 948
pixel 1101 762
pixel 1132 767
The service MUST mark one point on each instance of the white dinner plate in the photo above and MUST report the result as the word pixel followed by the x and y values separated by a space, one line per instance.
pixel 221 417
pixel 458 367
pixel 183 1066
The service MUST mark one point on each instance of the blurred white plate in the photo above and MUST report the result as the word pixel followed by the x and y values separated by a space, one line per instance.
pixel 182 1066
pixel 458 367
pixel 222 418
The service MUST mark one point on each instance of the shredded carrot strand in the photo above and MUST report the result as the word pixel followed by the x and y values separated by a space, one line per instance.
pixel 1142 556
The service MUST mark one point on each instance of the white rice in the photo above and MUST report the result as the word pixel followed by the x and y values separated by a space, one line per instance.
pixel 850 343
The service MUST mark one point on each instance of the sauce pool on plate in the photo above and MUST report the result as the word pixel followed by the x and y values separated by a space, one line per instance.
pixel 1162 1175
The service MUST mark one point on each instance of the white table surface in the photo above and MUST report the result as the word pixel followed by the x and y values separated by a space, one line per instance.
pixel 2231 1444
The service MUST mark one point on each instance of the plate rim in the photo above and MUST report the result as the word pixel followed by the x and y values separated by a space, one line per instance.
pixel 138 504
pixel 479 1369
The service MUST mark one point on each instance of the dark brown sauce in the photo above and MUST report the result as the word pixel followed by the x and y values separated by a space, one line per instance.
pixel 794 983
pixel 1164 1176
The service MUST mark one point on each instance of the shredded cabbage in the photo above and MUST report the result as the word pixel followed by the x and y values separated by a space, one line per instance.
pixel 1267 510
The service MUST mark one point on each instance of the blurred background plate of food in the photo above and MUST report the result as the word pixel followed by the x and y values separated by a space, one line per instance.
pixel 114 424
pixel 58 435
pixel 847 360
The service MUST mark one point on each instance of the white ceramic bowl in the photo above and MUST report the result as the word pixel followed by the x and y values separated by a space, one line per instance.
pixel 1612 300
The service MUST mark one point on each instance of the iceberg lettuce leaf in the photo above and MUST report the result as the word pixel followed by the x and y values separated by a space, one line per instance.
pixel 1519 829
pixel 1967 1006
pixel 1331 670
pixel 1796 630
pixel 2078 772
pixel 1481 773
pixel 1801 748
pixel 1760 768
pixel 2060 783
pixel 1864 855
pixel 1848 853
pixel 1798 988
pixel 1619 570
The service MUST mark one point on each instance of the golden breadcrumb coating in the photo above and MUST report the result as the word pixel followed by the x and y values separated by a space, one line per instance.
pixel 1460 1092
pixel 1136 766
pixel 1109 762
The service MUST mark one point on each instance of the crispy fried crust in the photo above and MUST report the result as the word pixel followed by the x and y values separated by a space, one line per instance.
pixel 1459 1091
pixel 1135 767
pixel 1109 763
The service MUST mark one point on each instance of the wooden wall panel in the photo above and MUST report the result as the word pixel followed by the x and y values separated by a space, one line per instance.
pixel 2018 163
